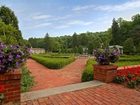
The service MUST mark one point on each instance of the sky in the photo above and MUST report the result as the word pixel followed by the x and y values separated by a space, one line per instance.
pixel 64 17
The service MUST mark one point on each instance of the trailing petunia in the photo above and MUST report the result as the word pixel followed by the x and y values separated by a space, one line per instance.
pixel 106 56
pixel 12 57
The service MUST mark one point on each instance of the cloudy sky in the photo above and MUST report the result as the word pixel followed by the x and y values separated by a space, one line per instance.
pixel 61 17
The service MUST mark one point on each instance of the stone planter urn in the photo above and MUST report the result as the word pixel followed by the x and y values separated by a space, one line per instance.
pixel 10 87
pixel 105 73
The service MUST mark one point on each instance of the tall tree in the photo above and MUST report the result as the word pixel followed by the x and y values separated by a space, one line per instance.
pixel 129 46
pixel 75 40
pixel 83 39
pixel 8 34
pixel 136 19
pixel 8 16
pixel 125 27
pixel 11 32
pixel 135 34
pixel 115 33
pixel 48 42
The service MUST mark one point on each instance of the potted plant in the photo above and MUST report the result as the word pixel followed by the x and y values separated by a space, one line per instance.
pixel 12 57
pixel 104 70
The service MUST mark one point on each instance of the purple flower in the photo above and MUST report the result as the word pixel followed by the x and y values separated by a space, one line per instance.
pixel 18 56
pixel 17 64
pixel 106 56
pixel 12 57
pixel 1 56
pixel 17 46
pixel 23 60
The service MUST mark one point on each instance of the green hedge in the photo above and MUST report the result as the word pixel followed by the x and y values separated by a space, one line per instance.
pixel 53 63
pixel 130 58
pixel 127 60
pixel 87 74
pixel 27 81
pixel 56 55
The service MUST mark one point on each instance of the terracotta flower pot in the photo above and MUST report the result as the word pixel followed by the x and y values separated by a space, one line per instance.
pixel 105 73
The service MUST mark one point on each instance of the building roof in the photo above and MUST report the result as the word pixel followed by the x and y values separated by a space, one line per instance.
pixel 118 46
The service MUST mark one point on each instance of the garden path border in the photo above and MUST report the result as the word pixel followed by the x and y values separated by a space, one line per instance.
pixel 57 90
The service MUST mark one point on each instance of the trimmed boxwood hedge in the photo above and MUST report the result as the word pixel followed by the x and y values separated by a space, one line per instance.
pixel 130 58
pixel 87 74
pixel 53 62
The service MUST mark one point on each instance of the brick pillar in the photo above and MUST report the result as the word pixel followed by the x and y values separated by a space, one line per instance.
pixel 11 83
pixel 105 73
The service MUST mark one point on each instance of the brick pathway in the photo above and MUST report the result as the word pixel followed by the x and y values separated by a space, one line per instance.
pixel 48 78
pixel 108 94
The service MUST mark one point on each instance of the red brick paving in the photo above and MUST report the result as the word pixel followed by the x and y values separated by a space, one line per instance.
pixel 48 78
pixel 108 94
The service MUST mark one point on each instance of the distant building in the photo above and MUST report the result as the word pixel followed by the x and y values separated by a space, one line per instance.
pixel 120 48
pixel 37 50
pixel 85 51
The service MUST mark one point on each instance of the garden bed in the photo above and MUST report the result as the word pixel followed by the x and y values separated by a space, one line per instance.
pixel 129 77
pixel 125 60
pixel 53 61
pixel 27 80
pixel 87 74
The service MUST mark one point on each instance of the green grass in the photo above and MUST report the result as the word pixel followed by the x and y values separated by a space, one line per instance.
pixel 27 81
pixel 55 61
pixel 87 74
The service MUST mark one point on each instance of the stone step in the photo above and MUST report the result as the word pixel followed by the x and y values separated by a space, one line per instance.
pixel 58 90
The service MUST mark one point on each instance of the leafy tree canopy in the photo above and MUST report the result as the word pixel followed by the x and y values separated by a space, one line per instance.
pixel 9 30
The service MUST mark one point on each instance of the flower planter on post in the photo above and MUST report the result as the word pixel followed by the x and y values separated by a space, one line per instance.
pixel 12 57
pixel 105 73
pixel 104 70
pixel 11 86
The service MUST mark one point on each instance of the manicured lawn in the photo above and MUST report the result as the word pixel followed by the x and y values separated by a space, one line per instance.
pixel 128 60
pixel 54 60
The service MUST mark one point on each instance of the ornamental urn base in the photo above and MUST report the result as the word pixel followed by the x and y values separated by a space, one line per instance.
pixel 105 73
